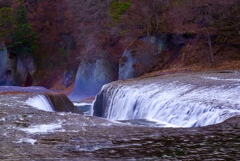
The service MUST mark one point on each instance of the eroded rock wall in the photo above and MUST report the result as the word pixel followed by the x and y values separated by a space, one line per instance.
pixel 150 53
pixel 92 75
pixel 5 76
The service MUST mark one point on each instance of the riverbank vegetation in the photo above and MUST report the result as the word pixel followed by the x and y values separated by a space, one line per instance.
pixel 64 33
pixel 15 31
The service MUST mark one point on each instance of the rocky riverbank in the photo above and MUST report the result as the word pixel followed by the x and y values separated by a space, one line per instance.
pixel 30 134
pixel 27 133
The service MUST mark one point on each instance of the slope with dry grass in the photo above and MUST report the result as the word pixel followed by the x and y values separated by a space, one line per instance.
pixel 73 31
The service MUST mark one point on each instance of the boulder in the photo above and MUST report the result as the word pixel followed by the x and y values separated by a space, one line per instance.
pixel 61 103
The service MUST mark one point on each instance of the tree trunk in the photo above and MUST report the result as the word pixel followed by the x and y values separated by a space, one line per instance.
pixel 210 47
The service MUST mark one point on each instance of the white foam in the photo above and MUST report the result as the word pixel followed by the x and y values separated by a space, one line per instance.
pixel 27 140
pixel 174 104
pixel 222 79
pixel 81 104
pixel 43 128
pixel 161 123
pixel 3 119
pixel 40 102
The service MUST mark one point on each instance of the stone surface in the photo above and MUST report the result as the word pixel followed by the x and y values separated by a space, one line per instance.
pixel 30 134
pixel 91 76
pixel 25 70
pixel 16 70
pixel 5 73
pixel 62 104
pixel 149 53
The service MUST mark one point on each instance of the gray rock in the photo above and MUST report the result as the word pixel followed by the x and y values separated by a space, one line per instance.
pixel 16 70
pixel 3 61
pixel 68 78
pixel 91 76
pixel 25 69
pixel 6 77
pixel 149 53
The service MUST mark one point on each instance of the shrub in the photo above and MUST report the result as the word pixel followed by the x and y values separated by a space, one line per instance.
pixel 118 8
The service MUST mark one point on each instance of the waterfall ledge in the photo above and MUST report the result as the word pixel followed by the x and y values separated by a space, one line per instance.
pixel 178 100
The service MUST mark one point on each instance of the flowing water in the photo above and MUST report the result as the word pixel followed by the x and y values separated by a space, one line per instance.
pixel 41 98
pixel 86 108
pixel 40 102
pixel 182 100
pixel 27 133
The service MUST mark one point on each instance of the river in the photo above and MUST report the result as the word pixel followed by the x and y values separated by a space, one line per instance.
pixel 30 133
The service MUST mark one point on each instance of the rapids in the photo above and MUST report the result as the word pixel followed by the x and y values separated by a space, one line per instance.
pixel 180 100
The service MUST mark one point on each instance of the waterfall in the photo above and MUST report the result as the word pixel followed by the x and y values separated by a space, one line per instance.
pixel 182 101
pixel 86 108
pixel 40 102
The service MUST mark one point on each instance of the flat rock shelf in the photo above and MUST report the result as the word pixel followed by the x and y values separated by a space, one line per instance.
pixel 27 133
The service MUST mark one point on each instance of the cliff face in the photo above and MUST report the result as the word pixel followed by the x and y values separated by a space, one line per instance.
pixel 74 31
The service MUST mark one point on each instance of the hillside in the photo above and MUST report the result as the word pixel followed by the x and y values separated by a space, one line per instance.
pixel 156 35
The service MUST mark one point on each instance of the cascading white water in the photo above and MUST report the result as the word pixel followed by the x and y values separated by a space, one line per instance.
pixel 175 103
pixel 86 108
pixel 40 102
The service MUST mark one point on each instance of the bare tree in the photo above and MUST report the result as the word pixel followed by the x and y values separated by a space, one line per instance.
pixel 210 47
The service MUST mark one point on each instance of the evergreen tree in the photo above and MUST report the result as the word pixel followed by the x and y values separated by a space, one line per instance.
pixel 6 25
pixel 16 32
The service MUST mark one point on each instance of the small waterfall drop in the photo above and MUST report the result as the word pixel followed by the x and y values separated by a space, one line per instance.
pixel 40 102
pixel 173 102
pixel 86 108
